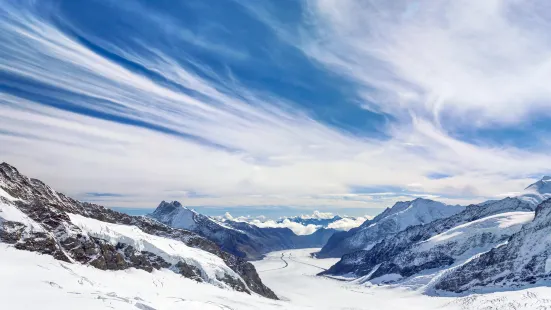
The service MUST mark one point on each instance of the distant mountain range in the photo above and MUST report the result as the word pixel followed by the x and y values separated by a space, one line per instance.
pixel 237 237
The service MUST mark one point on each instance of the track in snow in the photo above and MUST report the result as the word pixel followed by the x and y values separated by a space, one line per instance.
pixel 284 261
pixel 296 261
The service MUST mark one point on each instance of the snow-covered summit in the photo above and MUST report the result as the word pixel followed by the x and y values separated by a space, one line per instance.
pixel 391 221
pixel 538 192
pixel 175 214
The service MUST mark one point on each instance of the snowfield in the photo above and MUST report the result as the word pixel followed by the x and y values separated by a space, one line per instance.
pixel 503 224
pixel 32 281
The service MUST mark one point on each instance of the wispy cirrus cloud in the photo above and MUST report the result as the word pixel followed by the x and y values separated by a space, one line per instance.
pixel 95 114
pixel 468 62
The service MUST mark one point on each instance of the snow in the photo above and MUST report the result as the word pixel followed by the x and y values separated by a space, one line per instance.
pixel 51 284
pixel 538 192
pixel 170 250
pixel 499 225
pixel 387 278
pixel 183 219
pixel 32 281
pixel 298 284
pixel 424 211
pixel 9 212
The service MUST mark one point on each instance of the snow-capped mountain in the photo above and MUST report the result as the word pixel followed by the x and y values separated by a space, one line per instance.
pixel 36 218
pixel 485 245
pixel 239 238
pixel 538 192
pixel 393 220
pixel 385 257
pixel 317 218
pixel 524 259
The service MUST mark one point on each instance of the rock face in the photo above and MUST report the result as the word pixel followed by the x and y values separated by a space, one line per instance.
pixel 524 259
pixel 239 238
pixel 390 222
pixel 412 250
pixel 36 218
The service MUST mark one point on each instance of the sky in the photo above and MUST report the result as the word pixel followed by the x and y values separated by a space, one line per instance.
pixel 277 106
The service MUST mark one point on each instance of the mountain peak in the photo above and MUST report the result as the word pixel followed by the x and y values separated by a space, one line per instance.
pixel 166 207
pixel 538 191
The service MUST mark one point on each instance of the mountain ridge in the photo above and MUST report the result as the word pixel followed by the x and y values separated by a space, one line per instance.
pixel 36 218
pixel 239 238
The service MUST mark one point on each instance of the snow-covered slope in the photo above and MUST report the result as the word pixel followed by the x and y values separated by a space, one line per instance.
pixel 538 192
pixel 31 281
pixel 239 238
pixel 457 244
pixel 211 268
pixel 36 218
pixel 393 220
pixel 524 259
pixel 400 254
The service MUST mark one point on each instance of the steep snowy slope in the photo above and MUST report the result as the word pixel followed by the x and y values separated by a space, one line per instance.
pixel 36 218
pixel 524 259
pixel 455 245
pixel 239 238
pixel 393 220
pixel 380 259
pixel 538 192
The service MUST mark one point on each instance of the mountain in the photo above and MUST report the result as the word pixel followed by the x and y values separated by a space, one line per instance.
pixel 317 219
pixel 391 221
pixel 524 259
pixel 402 255
pixel 239 238
pixel 538 192
pixel 34 217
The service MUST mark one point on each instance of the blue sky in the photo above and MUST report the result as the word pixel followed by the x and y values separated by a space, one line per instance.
pixel 339 105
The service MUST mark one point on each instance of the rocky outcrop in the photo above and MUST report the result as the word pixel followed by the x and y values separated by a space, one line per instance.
pixel 45 227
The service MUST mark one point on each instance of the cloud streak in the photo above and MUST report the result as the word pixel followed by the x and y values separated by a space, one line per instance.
pixel 89 115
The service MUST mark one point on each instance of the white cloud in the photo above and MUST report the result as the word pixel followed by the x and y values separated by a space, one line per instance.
pixel 264 154
pixel 348 223
pixel 318 215
pixel 344 224
pixel 484 62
